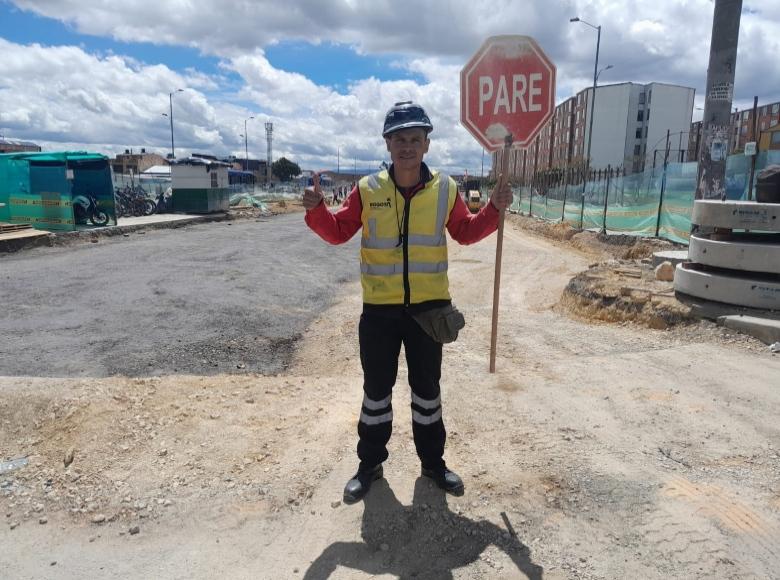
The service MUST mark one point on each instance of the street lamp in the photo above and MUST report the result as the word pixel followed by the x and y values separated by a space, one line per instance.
pixel 593 97
pixel 246 146
pixel 170 117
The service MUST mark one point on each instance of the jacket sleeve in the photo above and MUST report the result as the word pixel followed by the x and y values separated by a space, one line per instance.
pixel 339 226
pixel 467 228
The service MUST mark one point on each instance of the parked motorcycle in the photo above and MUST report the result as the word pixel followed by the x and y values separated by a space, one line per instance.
pixel 164 201
pixel 85 208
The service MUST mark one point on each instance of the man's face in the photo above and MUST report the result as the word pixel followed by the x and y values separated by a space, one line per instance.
pixel 407 147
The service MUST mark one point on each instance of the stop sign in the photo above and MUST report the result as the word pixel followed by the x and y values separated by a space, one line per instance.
pixel 508 87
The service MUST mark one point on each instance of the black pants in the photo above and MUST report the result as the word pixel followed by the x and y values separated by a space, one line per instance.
pixel 382 331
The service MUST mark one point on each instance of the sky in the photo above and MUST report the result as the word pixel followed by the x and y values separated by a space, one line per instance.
pixel 97 75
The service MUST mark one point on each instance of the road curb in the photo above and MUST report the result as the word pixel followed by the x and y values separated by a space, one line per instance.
pixel 57 239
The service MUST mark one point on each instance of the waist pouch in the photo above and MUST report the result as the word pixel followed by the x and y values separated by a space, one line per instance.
pixel 441 324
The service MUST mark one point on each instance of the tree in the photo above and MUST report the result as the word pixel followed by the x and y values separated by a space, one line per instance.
pixel 285 169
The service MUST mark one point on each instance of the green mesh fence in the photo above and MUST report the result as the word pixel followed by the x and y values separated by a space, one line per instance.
pixel 655 202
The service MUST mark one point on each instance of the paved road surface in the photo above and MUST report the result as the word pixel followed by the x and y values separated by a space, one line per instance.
pixel 198 300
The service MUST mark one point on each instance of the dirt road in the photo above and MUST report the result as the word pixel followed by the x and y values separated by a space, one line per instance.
pixel 610 451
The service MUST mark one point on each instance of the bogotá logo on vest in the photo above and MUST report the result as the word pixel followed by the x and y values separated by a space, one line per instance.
pixel 380 204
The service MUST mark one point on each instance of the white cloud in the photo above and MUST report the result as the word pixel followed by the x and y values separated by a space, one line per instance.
pixel 109 102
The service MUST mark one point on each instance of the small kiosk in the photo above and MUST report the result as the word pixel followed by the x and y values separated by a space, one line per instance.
pixel 66 190
pixel 200 185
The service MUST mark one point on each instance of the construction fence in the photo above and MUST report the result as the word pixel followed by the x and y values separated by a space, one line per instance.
pixel 657 202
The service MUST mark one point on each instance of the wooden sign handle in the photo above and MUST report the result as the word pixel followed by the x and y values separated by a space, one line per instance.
pixel 503 177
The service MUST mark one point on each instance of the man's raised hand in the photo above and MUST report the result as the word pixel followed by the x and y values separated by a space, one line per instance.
pixel 312 196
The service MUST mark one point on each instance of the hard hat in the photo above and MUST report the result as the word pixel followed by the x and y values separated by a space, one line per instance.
pixel 406 115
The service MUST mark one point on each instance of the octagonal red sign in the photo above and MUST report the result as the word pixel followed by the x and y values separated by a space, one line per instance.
pixel 508 86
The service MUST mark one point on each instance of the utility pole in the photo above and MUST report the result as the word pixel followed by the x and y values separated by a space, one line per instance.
pixel 246 146
pixel 717 106
pixel 269 136
pixel 754 138
pixel 170 118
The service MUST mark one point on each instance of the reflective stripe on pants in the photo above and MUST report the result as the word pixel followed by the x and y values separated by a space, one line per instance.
pixel 382 332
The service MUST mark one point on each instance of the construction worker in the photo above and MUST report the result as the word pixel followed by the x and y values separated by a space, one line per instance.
pixel 403 212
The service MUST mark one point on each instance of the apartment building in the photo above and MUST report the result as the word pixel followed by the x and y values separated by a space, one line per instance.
pixel 741 130
pixel 742 124
pixel 629 129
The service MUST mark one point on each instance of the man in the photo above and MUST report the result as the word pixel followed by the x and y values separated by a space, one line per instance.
pixel 403 212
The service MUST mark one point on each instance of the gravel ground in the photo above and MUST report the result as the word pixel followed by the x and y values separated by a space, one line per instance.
pixel 596 451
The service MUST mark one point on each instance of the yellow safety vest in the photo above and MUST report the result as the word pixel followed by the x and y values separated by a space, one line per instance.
pixel 398 269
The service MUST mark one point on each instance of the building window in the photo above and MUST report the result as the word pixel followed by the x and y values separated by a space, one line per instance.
pixel 214 183
pixel 744 129
pixel 775 108
pixel 641 98
pixel 772 122
pixel 745 115
pixel 640 116
pixel 649 95
pixel 763 110
pixel 637 150
pixel 763 125
pixel 776 138
pixel 647 115
pixel 639 133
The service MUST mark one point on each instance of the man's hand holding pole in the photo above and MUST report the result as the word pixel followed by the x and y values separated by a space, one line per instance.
pixel 312 196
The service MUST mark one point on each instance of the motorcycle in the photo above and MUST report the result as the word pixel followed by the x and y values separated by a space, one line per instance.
pixel 85 208
pixel 164 202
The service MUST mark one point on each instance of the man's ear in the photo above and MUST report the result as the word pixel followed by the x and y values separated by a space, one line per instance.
pixel 387 142
pixel 427 144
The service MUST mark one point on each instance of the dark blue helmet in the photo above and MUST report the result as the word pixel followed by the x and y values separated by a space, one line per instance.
pixel 406 115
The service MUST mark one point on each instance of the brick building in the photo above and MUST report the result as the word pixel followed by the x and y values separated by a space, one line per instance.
pixel 742 124
pixel 135 163
pixel 16 146
pixel 741 130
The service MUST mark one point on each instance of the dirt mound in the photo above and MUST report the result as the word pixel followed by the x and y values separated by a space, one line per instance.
pixel 623 291
pixel 617 246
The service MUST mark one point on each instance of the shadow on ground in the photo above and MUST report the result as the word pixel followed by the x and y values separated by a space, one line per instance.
pixel 423 541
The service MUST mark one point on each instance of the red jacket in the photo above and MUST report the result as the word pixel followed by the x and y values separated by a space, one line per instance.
pixel 339 226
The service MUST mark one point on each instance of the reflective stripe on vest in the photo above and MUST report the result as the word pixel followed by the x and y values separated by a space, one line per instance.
pixel 374 242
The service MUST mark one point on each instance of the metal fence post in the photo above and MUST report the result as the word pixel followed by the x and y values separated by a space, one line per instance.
pixel 606 200
pixel 663 186
pixel 582 204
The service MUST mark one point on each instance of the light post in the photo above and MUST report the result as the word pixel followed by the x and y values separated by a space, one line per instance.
pixel 170 118
pixel 482 172
pixel 592 99
pixel 246 146
pixel 338 160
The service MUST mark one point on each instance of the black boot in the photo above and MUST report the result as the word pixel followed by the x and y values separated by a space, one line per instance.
pixel 358 486
pixel 447 480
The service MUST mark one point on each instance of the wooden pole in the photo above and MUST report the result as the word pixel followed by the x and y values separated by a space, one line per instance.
pixel 499 249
